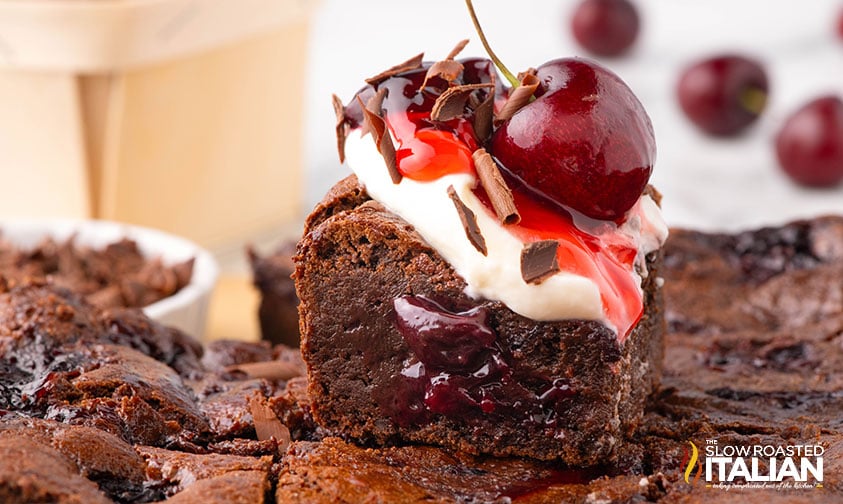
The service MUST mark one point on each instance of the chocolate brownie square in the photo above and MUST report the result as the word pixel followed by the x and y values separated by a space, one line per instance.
pixel 474 375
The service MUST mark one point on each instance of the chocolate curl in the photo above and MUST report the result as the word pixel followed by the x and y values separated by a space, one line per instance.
pixel 342 127
pixel 377 126
pixel 484 115
pixel 529 71
pixel 451 104
pixel 410 64
pixel 519 97
pixel 457 49
pixel 495 186
pixel 469 222
pixel 448 69
pixel 653 193
pixel 273 370
pixel 539 261
pixel 267 425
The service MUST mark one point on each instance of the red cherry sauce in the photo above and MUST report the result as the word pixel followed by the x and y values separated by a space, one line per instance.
pixel 426 149
pixel 459 370
pixel 605 258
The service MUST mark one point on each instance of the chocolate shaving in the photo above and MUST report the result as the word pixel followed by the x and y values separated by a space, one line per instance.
pixel 273 370
pixel 653 193
pixel 342 126
pixel 530 71
pixel 451 104
pixel 519 97
pixel 538 261
pixel 469 222
pixel 457 49
pixel 495 186
pixel 410 64
pixel 448 69
pixel 267 425
pixel 484 115
pixel 377 126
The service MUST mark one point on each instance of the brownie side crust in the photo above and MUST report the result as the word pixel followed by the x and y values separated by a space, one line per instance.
pixel 564 390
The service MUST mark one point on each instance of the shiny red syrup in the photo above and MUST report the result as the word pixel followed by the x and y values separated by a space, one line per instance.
pixel 607 258
pixel 426 150
pixel 459 369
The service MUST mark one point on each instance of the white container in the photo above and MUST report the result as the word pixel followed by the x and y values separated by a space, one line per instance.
pixel 181 115
pixel 187 309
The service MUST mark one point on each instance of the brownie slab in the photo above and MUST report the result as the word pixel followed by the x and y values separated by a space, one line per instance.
pixel 485 379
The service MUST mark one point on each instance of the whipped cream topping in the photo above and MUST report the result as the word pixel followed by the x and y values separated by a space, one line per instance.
pixel 497 275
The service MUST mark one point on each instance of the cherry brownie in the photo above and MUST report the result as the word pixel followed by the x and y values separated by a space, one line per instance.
pixel 396 351
pixel 487 280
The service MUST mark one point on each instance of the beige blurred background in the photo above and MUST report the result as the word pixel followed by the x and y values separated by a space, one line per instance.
pixel 179 115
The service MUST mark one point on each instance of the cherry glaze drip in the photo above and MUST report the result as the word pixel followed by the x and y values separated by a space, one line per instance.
pixel 458 369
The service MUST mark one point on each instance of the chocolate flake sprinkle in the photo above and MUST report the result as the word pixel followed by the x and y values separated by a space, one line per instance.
pixel 270 370
pixel 447 69
pixel 469 222
pixel 457 49
pixel 342 126
pixel 654 193
pixel 375 123
pixel 538 261
pixel 519 97
pixel 495 186
pixel 484 114
pixel 267 425
pixel 451 104
pixel 410 64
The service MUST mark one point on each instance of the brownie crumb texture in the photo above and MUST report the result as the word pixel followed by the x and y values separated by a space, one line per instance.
pixel 109 406
pixel 115 276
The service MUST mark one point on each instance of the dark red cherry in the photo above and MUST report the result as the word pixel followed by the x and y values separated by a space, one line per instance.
pixel 605 27
pixel 724 94
pixel 810 144
pixel 840 24
pixel 585 142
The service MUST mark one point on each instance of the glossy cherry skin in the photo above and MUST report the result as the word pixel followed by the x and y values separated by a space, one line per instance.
pixel 809 145
pixel 723 95
pixel 605 27
pixel 585 143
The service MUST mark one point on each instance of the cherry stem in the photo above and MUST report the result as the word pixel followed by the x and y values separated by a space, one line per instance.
pixel 498 63
pixel 753 99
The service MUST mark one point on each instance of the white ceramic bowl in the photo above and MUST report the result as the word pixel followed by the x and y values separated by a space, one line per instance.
pixel 187 309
